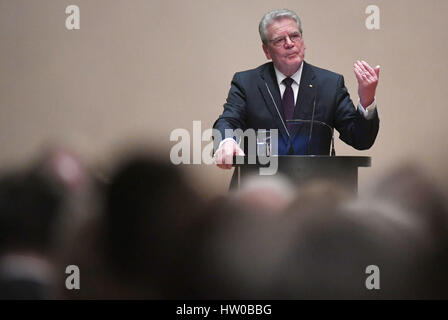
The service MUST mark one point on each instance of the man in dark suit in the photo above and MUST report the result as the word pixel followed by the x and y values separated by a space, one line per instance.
pixel 289 88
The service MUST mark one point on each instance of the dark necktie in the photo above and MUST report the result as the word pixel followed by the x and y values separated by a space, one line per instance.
pixel 288 101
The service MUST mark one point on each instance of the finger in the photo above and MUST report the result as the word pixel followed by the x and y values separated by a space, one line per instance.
pixel 359 73
pixel 228 164
pixel 221 157
pixel 365 73
pixel 357 69
pixel 239 152
pixel 369 69
pixel 228 157
pixel 377 71
pixel 368 77
pixel 358 76
pixel 365 64
pixel 363 68
pixel 222 160
pixel 359 64
pixel 371 73
pixel 360 67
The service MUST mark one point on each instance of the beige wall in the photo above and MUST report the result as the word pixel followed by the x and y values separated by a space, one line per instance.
pixel 138 69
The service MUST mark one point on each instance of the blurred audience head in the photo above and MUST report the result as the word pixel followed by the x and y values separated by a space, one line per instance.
pixel 266 193
pixel 31 218
pixel 230 253
pixel 144 233
pixel 398 226
pixel 147 205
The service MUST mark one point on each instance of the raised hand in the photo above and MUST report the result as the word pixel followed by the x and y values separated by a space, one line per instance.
pixel 367 81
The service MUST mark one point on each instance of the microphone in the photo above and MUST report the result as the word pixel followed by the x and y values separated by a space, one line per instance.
pixel 308 144
pixel 278 112
pixel 294 121
pixel 333 153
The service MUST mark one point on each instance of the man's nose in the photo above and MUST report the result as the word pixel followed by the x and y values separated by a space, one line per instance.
pixel 288 42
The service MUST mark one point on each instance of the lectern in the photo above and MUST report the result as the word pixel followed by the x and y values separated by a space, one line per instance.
pixel 342 170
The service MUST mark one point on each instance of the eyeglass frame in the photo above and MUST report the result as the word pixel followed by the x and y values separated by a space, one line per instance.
pixel 279 42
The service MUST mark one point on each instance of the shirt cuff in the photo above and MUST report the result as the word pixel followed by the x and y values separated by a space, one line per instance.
pixel 226 139
pixel 368 111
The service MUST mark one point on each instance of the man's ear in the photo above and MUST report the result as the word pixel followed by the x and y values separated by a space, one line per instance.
pixel 266 51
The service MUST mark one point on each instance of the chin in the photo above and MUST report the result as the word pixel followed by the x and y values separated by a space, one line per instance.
pixel 292 64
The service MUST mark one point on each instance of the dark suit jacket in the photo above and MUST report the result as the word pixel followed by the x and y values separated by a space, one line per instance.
pixel 250 105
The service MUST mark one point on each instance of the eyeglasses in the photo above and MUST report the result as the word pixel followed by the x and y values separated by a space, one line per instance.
pixel 279 42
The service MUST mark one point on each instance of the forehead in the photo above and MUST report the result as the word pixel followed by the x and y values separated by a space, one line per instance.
pixel 281 27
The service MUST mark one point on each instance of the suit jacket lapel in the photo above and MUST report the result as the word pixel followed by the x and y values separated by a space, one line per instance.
pixel 307 93
pixel 274 103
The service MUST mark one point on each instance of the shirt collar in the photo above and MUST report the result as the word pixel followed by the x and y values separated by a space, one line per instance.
pixel 296 76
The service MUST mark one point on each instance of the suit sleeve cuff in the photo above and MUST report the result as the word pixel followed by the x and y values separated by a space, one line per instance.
pixel 368 111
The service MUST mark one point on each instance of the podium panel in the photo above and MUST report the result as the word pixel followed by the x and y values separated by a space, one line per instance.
pixel 342 170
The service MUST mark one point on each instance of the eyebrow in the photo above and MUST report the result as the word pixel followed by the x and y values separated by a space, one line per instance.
pixel 289 34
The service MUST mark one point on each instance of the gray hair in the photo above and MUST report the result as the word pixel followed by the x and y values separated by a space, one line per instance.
pixel 276 15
